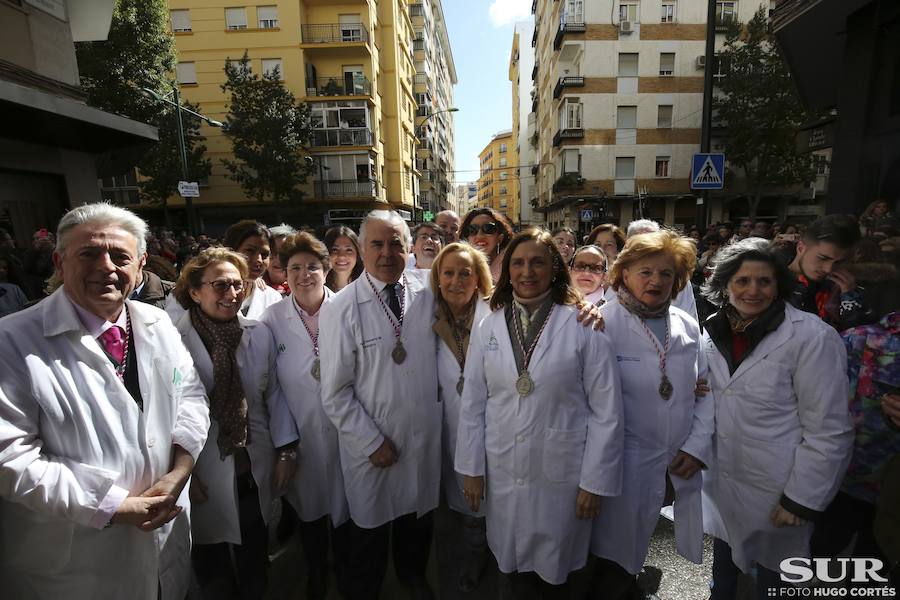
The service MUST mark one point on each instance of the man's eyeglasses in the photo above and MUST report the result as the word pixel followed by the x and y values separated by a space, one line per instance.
pixel 596 269
pixel 485 228
pixel 434 237
pixel 220 286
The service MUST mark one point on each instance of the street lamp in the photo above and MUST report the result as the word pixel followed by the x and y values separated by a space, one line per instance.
pixel 182 146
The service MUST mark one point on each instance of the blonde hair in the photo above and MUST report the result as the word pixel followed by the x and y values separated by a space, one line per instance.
pixel 642 245
pixel 191 277
pixel 485 284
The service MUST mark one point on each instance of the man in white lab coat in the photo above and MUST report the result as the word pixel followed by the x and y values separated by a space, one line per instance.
pixel 101 418
pixel 379 388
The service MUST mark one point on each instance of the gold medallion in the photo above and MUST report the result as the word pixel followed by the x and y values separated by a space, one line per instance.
pixel 398 353
pixel 459 385
pixel 524 384
pixel 316 370
pixel 665 387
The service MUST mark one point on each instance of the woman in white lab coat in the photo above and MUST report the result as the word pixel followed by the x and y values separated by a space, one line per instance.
pixel 308 465
pixel 668 429
pixel 231 487
pixel 783 431
pixel 460 281
pixel 540 429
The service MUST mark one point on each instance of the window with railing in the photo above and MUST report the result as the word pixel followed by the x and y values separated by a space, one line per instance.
pixel 267 16
pixel 348 84
pixel 668 12
pixel 667 64
pixel 333 33
pixel 726 13
pixel 180 20
pixel 344 123
pixel 628 11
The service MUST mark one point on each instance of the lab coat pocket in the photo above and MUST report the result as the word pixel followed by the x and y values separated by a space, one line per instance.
pixel 563 454
pixel 167 378
pixel 42 544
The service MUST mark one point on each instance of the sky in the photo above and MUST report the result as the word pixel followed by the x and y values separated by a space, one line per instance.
pixel 481 33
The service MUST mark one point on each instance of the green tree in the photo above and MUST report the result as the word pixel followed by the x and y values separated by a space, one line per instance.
pixel 758 106
pixel 269 131
pixel 140 53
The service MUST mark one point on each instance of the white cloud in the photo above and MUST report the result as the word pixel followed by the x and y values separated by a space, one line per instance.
pixel 504 12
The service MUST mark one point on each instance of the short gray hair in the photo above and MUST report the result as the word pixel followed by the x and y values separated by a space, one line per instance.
pixel 729 259
pixel 642 226
pixel 392 218
pixel 282 230
pixel 106 214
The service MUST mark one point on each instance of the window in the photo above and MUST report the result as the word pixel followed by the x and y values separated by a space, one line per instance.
pixel 662 166
pixel 625 167
pixel 504 176
pixel 667 64
pixel 270 65
pixel 351 28
pixel 267 17
pixel 628 12
pixel 726 12
pixel 573 12
pixel 181 20
pixel 664 116
pixel 626 117
pixel 503 161
pixel 668 12
pixel 186 72
pixel 502 148
pixel 236 18
pixel 571 161
pixel 570 114
pixel 347 167
pixel 628 65
pixel 503 189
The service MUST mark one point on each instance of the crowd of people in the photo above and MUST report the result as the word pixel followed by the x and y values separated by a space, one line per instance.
pixel 161 396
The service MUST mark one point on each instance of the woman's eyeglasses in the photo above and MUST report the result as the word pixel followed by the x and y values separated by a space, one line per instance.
pixel 596 269
pixel 220 286
pixel 485 228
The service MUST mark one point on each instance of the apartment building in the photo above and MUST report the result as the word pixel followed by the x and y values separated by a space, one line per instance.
pixel 352 61
pixel 617 108
pixel 521 66
pixel 514 173
pixel 433 87
pixel 495 185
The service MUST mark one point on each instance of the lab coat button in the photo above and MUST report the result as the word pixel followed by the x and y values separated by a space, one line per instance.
pixel 520 438
pixel 150 442
pixel 520 482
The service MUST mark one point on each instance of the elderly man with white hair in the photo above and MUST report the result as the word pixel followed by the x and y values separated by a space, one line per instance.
pixel 102 416
pixel 685 299
pixel 380 389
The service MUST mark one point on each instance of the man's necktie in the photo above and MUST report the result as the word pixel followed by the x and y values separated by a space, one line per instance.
pixel 113 342
pixel 393 300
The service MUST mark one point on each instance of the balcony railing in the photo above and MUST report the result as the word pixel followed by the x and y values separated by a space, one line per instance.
pixel 350 84
pixel 568 24
pixel 342 137
pixel 564 82
pixel 534 37
pixel 564 134
pixel 347 188
pixel 418 44
pixel 534 72
pixel 416 10
pixel 330 33
pixel 725 21
pixel 420 79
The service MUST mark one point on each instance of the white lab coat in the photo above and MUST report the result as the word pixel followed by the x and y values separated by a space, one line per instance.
pixel 294 399
pixel 684 299
pixel 655 430
pixel 536 451
pixel 448 377
pixel 69 430
pixel 256 305
pixel 367 396
pixel 782 427
pixel 216 520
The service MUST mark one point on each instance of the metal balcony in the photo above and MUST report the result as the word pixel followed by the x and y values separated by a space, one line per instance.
pixel 534 6
pixel 567 25
pixel 342 137
pixel 347 188
pixel 349 84
pixel 565 82
pixel 534 37
pixel 420 79
pixel 564 134
pixel 534 72
pixel 333 33
pixel 416 10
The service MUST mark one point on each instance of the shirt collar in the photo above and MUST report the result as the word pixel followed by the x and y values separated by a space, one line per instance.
pixel 96 326
pixel 380 285
pixel 137 290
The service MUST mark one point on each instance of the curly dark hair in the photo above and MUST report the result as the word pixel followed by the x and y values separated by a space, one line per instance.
pixel 562 291
pixel 729 259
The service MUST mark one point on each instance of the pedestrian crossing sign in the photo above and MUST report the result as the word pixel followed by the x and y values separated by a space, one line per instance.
pixel 708 172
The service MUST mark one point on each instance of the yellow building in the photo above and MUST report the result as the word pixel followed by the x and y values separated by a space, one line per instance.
pixel 495 185
pixel 351 60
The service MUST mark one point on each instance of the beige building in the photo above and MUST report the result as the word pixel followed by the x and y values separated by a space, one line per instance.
pixel 495 185
pixel 352 61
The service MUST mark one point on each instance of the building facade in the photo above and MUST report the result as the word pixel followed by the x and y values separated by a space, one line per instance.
pixel 433 87
pixel 498 170
pixel 352 61
pixel 523 119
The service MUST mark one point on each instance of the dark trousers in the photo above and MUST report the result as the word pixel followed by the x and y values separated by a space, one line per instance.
pixel 530 586
pixel 314 537
pixel 725 576
pixel 362 554
pixel 246 577
pixel 843 518
pixel 611 582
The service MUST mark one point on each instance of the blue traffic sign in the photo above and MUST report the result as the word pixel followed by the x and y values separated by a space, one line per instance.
pixel 708 172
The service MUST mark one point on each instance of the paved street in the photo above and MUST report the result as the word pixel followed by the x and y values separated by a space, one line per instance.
pixel 665 574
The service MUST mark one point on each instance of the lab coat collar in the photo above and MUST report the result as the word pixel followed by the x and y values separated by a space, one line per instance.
pixel 771 342
pixel 59 315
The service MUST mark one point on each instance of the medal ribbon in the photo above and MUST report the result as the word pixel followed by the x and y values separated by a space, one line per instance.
pixel 526 354
pixel 313 338
pixel 661 352
pixel 457 335
pixel 398 327
pixel 120 367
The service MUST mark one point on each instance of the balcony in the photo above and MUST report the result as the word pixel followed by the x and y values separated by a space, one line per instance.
pixel 534 37
pixel 350 84
pixel 569 181
pixel 723 23
pixel 567 134
pixel 347 188
pixel 419 44
pixel 564 82
pixel 534 72
pixel 534 6
pixel 420 79
pixel 342 137
pixel 416 10
pixel 568 24
pixel 334 33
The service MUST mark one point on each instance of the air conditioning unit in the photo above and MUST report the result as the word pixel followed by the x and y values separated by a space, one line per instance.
pixel 626 26
pixel 701 61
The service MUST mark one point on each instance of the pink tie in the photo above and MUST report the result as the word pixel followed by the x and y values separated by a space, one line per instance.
pixel 114 343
